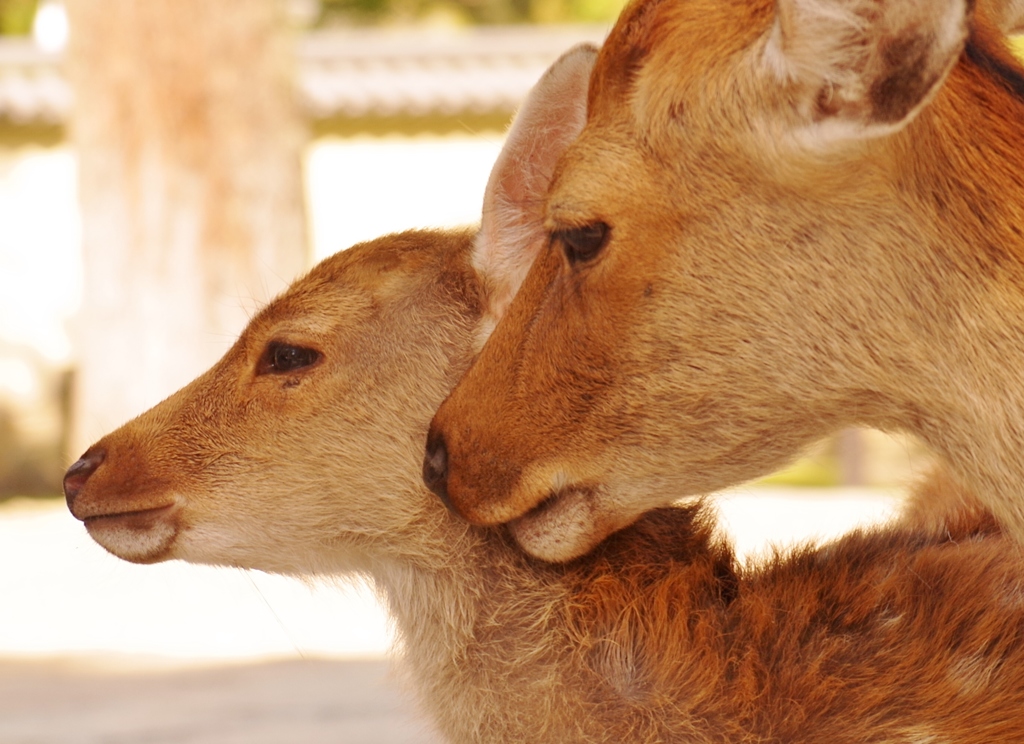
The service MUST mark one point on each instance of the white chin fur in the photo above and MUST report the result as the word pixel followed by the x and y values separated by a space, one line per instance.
pixel 136 544
pixel 563 529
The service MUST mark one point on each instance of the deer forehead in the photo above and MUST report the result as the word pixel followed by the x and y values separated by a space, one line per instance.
pixel 316 307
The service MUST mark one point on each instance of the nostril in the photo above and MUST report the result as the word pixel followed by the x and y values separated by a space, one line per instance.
pixel 435 468
pixel 79 473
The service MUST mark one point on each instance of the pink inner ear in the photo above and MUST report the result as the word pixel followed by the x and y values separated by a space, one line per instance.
pixel 512 225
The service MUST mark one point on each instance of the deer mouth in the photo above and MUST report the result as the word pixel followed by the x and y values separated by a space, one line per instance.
pixel 566 525
pixel 139 536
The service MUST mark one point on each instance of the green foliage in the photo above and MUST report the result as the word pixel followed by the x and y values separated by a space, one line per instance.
pixel 1017 44
pixel 596 10
pixel 469 11
pixel 27 469
pixel 810 472
pixel 16 17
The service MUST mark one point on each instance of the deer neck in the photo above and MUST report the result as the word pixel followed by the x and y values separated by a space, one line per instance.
pixel 964 284
pixel 474 626
pixel 967 402
pixel 505 648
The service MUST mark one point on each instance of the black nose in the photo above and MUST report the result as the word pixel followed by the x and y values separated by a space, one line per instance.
pixel 435 468
pixel 79 473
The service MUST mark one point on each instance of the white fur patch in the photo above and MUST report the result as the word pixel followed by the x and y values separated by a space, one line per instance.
pixel 133 544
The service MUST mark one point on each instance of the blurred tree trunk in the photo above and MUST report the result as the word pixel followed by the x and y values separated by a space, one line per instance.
pixel 188 140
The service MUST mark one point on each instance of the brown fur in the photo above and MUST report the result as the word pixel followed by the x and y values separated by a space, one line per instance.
pixel 806 231
pixel 888 635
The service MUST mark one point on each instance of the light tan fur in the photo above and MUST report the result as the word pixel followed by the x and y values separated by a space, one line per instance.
pixel 815 219
pixel 891 635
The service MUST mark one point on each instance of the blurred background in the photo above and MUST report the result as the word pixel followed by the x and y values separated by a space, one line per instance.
pixel 165 168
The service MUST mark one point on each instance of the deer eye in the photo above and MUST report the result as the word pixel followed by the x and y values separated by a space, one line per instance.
pixel 582 243
pixel 281 357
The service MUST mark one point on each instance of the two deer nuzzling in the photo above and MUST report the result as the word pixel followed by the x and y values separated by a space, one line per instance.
pixel 299 452
pixel 781 219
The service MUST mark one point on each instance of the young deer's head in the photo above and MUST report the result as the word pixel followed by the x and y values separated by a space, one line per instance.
pixel 299 450
pixel 781 218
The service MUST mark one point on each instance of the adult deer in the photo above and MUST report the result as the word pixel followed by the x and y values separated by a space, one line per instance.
pixel 299 453
pixel 781 218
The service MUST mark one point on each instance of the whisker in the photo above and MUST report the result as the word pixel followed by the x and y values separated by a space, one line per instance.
pixel 280 622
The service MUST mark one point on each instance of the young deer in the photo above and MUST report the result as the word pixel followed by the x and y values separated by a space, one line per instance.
pixel 298 453
pixel 782 218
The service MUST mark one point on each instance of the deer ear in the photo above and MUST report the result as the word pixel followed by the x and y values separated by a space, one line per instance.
pixel 1007 15
pixel 863 68
pixel 511 228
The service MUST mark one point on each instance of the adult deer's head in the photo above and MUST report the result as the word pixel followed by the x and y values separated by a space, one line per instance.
pixel 778 220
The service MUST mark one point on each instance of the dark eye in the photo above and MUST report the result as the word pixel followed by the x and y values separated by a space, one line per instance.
pixel 280 357
pixel 582 243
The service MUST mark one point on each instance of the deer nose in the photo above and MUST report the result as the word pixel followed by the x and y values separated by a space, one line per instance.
pixel 435 468
pixel 79 473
